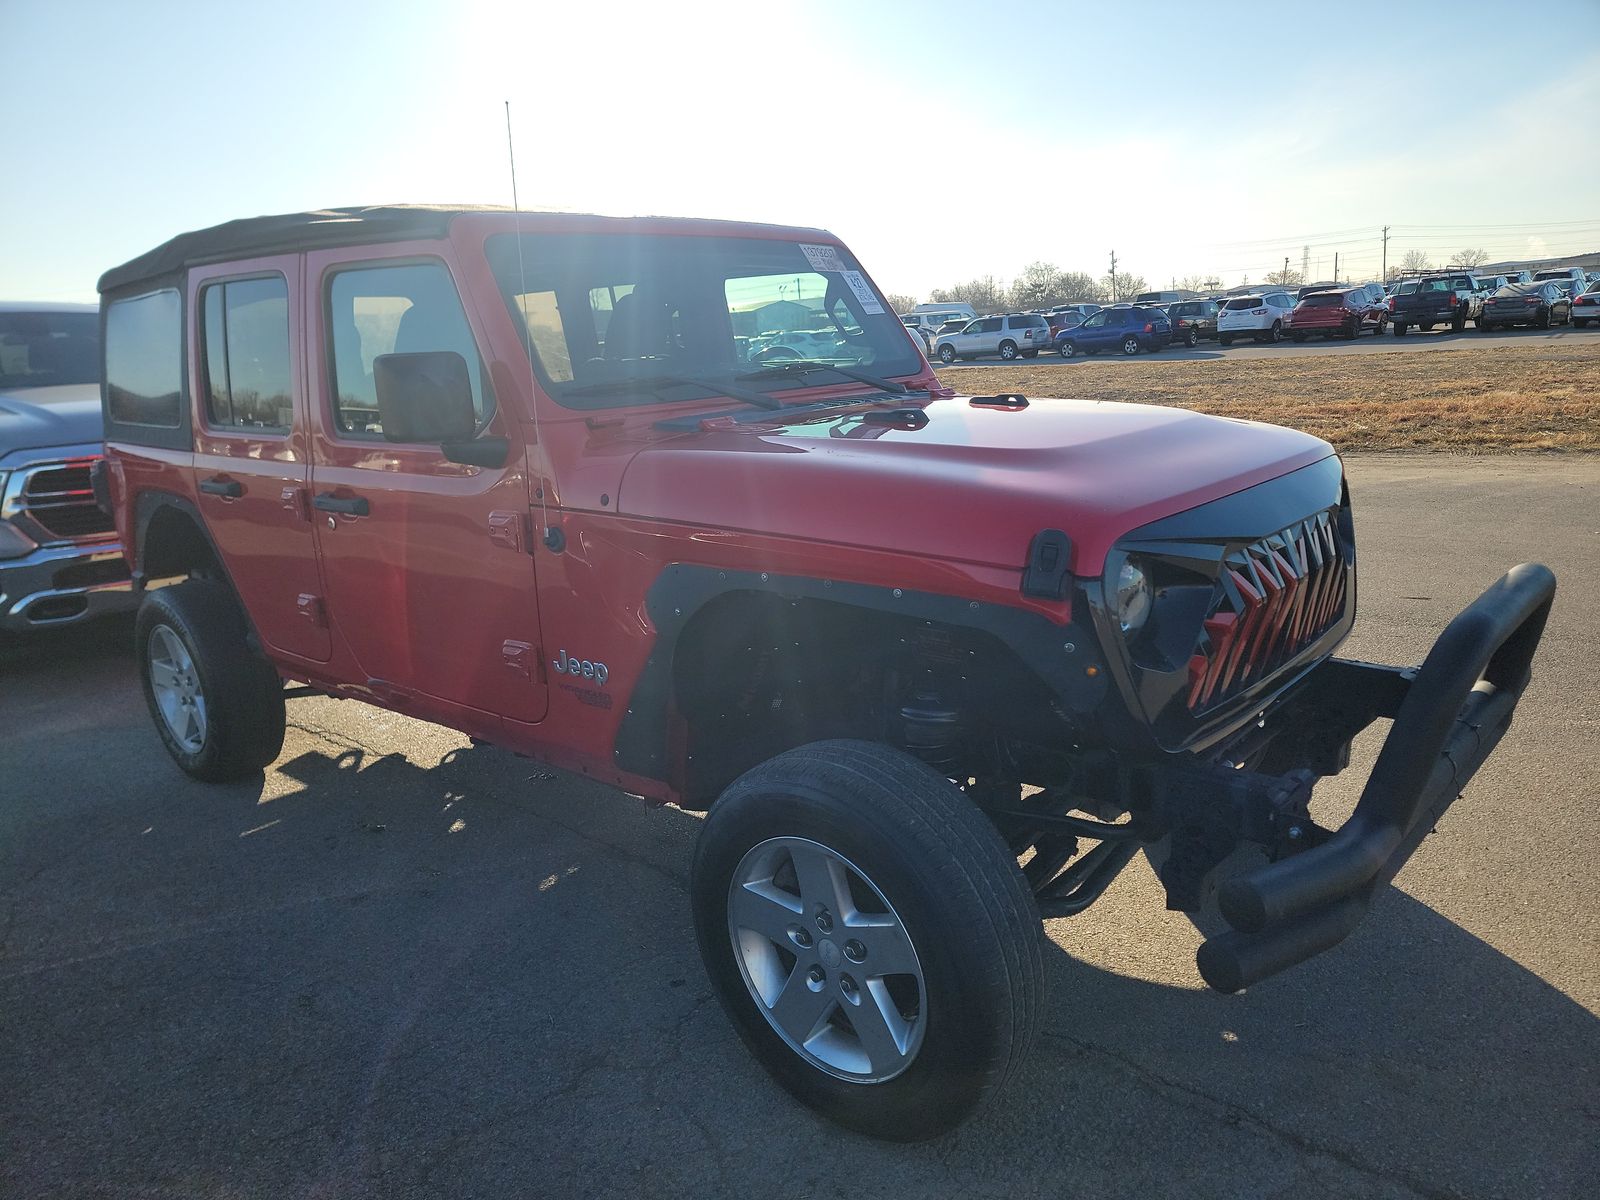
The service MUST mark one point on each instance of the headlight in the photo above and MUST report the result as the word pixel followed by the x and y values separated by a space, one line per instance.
pixel 1133 598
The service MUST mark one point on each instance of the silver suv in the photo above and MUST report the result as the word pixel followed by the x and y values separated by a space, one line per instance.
pixel 1019 334
pixel 60 561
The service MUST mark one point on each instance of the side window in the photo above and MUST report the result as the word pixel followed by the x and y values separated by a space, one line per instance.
pixel 245 347
pixel 393 310
pixel 990 325
pixel 144 359
pixel 1097 321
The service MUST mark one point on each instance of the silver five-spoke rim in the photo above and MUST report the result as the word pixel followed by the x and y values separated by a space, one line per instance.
pixel 827 960
pixel 176 685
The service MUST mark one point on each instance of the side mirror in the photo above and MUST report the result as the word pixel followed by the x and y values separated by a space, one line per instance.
pixel 424 397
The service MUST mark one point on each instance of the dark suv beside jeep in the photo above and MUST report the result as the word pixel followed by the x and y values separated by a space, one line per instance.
pixel 938 665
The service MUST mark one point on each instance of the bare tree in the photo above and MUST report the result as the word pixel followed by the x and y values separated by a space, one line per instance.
pixel 1039 286
pixel 1195 283
pixel 1076 285
pixel 1285 277
pixel 1123 287
pixel 901 304
pixel 1415 262
pixel 1470 258
pixel 986 294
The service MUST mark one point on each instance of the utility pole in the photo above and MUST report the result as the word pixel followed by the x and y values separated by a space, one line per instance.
pixel 1336 266
pixel 1385 254
pixel 1114 296
pixel 1285 270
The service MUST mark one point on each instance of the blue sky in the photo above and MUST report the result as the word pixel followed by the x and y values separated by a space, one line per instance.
pixel 938 140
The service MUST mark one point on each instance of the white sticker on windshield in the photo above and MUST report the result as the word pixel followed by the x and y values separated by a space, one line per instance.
pixel 858 285
pixel 822 258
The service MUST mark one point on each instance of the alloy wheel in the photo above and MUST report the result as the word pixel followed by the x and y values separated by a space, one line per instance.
pixel 176 686
pixel 827 960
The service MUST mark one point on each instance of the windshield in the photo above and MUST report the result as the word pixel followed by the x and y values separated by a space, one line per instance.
pixel 41 349
pixel 605 310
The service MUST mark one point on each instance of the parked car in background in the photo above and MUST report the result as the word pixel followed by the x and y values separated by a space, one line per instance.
pixel 1082 307
pixel 60 561
pixel 1586 305
pixel 1261 316
pixel 1519 276
pixel 1572 274
pixel 1193 320
pixel 1128 330
pixel 1059 322
pixel 1538 305
pixel 794 343
pixel 1015 335
pixel 1447 297
pixel 1490 284
pixel 1346 313
pixel 1166 297
pixel 1317 287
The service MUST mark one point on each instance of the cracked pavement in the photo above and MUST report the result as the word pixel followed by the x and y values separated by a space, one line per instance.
pixel 400 965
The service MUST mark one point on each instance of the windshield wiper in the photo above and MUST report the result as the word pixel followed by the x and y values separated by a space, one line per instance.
pixel 654 383
pixel 807 366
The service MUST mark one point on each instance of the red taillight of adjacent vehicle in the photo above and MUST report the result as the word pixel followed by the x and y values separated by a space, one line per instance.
pixel 1531 300
pixel 1148 327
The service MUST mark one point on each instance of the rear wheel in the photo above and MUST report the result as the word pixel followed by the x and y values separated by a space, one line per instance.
pixel 1541 319
pixel 1067 349
pixel 947 353
pixel 870 937
pixel 1190 338
pixel 217 705
pixel 1130 345
pixel 1275 334
pixel 1459 322
pixel 1225 339
pixel 1008 350
pixel 1400 328
pixel 1352 328
pixel 1485 326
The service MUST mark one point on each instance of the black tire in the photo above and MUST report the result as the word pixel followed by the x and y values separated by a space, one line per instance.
pixel 242 693
pixel 947 353
pixel 1426 327
pixel 1130 345
pixel 1225 339
pixel 1275 334
pixel 1400 328
pixel 1459 322
pixel 1008 350
pixel 957 892
pixel 1485 326
pixel 1353 329
pixel 1299 336
pixel 1030 354
pixel 1190 338
pixel 1067 349
pixel 1541 319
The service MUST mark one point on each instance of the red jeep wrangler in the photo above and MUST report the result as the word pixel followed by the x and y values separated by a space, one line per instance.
pixel 937 665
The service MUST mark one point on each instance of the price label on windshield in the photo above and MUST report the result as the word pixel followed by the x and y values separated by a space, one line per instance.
pixel 822 258
pixel 858 285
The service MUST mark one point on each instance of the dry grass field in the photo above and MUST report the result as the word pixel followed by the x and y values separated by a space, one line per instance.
pixel 1543 396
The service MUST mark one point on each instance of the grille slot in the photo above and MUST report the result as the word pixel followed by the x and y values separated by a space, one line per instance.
pixel 1275 598
pixel 59 499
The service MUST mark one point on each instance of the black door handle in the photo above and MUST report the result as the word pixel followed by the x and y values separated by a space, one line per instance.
pixel 219 486
pixel 356 506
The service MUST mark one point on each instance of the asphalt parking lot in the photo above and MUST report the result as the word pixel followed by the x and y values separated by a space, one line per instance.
pixel 1368 343
pixel 402 966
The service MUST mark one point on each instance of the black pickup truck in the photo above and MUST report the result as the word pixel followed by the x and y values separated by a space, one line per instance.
pixel 1446 297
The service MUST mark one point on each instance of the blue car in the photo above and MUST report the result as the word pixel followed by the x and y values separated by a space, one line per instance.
pixel 1129 330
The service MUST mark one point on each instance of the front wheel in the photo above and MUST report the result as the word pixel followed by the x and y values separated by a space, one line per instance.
pixel 870 937
pixel 216 704
pixel 1008 350
pixel 947 354
pixel 1225 339
pixel 1400 328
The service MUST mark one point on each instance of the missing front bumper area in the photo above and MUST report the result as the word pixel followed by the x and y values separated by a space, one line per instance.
pixel 1448 714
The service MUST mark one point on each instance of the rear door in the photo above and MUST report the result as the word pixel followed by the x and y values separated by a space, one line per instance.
pixel 252 446
pixel 429 568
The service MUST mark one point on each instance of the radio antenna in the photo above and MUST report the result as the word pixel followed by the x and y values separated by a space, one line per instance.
pixel 553 538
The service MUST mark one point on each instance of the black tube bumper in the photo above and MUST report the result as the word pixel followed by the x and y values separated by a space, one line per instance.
pixel 1448 718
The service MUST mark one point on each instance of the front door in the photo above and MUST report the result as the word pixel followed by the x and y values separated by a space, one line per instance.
pixel 252 445
pixel 428 562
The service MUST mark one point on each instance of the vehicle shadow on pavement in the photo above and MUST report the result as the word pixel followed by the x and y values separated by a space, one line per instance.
pixel 396 965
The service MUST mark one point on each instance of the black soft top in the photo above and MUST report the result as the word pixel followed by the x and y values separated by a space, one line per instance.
pixel 252 236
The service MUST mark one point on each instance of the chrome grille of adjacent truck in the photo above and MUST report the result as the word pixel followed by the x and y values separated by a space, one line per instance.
pixel 57 498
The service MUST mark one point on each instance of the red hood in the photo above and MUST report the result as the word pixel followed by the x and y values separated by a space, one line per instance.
pixel 974 484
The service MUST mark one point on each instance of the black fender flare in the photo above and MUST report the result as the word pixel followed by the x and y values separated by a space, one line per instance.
pixel 1066 657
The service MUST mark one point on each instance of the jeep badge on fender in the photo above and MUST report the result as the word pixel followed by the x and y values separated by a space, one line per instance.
pixel 588 670
pixel 889 638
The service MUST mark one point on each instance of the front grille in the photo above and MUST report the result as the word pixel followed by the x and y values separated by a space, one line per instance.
pixel 59 499
pixel 1276 597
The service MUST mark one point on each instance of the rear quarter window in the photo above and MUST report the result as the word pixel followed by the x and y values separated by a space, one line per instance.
pixel 144 360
